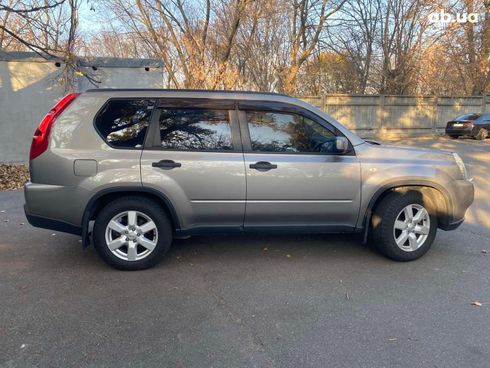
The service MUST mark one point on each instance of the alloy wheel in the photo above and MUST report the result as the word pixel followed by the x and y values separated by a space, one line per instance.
pixel 131 235
pixel 411 228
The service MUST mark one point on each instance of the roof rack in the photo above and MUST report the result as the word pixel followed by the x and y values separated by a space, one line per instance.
pixel 182 90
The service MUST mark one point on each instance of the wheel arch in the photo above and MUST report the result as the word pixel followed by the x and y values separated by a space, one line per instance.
pixel 103 197
pixel 436 196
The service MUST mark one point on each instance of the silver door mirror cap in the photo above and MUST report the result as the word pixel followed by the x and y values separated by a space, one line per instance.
pixel 341 145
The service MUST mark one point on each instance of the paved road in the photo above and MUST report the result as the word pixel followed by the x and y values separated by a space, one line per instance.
pixel 254 301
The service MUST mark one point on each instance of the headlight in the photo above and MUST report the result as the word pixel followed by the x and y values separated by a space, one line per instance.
pixel 460 164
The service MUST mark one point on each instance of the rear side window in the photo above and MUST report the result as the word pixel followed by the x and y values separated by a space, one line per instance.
pixel 467 117
pixel 195 129
pixel 123 123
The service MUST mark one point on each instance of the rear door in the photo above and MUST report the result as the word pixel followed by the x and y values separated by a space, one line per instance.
pixel 193 155
pixel 294 176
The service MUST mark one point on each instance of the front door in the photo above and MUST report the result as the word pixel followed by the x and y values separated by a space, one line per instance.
pixel 196 161
pixel 294 176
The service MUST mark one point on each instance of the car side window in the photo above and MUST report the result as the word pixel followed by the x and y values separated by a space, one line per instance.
pixel 123 123
pixel 485 119
pixel 190 129
pixel 288 133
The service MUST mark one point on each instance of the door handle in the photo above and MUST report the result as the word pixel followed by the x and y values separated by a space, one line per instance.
pixel 263 166
pixel 166 164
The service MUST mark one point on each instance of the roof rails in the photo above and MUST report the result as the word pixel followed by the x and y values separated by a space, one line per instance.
pixel 182 90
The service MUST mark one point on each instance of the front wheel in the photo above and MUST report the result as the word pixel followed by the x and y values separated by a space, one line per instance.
pixel 403 226
pixel 132 233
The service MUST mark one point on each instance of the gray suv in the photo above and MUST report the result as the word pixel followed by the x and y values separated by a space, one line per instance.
pixel 130 170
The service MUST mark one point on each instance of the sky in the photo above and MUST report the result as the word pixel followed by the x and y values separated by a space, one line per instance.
pixel 88 19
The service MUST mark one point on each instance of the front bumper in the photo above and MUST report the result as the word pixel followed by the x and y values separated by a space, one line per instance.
pixel 463 194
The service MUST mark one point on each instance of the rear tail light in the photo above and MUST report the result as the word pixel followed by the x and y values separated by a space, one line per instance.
pixel 468 125
pixel 40 140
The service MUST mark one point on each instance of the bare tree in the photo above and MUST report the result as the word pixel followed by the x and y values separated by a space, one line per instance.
pixel 403 35
pixel 354 40
pixel 308 19
pixel 291 46
pixel 33 25
pixel 194 40
pixel 260 53
pixel 46 27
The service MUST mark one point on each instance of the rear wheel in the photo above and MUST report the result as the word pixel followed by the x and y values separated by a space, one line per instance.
pixel 403 226
pixel 132 233
pixel 482 134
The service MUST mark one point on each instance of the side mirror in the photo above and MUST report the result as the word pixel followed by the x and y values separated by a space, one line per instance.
pixel 341 145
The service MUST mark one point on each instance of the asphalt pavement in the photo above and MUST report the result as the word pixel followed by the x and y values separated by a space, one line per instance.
pixel 250 301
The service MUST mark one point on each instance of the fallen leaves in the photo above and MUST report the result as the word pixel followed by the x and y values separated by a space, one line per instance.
pixel 13 176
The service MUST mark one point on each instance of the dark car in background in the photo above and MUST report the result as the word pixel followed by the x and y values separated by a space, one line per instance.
pixel 473 125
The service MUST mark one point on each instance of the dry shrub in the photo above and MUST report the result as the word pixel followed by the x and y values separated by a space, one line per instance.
pixel 13 176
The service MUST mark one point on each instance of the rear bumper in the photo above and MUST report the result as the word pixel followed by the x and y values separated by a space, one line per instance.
pixel 52 207
pixel 51 224
pixel 459 131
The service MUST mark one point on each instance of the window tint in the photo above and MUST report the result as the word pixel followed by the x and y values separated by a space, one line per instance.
pixel 195 129
pixel 288 132
pixel 123 123
pixel 482 119
pixel 467 117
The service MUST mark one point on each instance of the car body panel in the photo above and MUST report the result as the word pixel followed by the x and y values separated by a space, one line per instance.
pixel 60 194
pixel 385 166
pixel 317 190
pixel 210 190
pixel 207 190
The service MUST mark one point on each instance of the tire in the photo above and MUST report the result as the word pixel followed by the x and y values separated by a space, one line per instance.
pixel 482 134
pixel 384 220
pixel 145 242
pixel 454 136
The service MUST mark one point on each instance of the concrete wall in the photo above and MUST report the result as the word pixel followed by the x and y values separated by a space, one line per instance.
pixel 30 87
pixel 27 93
pixel 394 116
